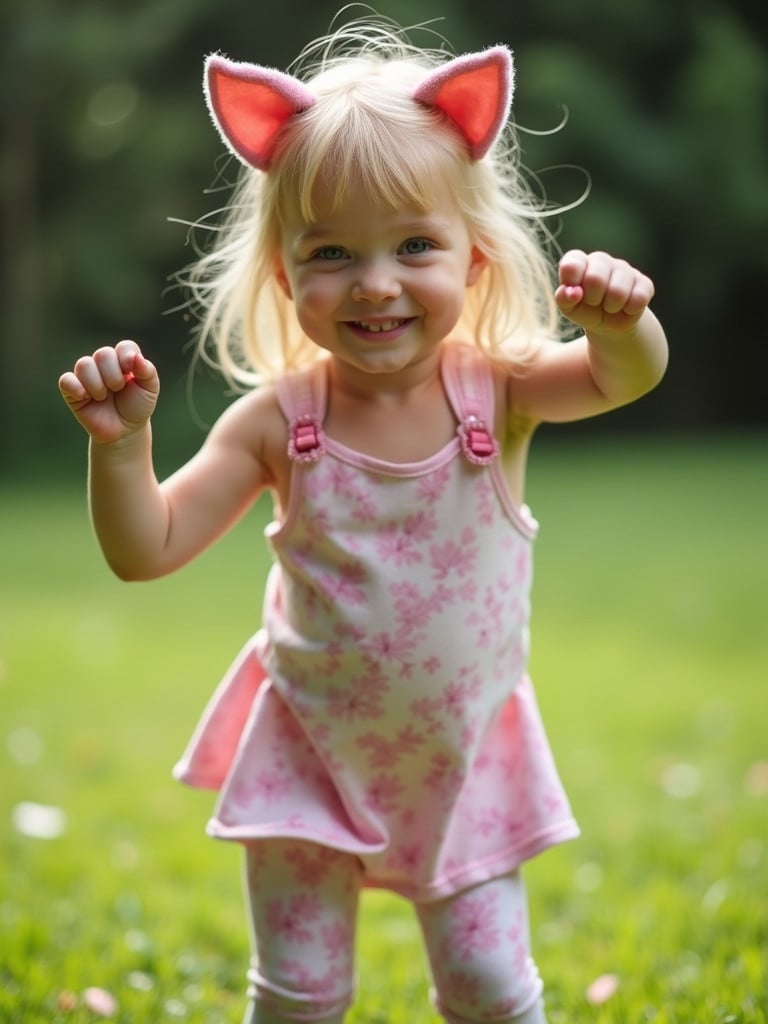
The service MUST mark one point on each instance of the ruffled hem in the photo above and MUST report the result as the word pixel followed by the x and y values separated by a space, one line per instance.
pixel 224 726
pixel 274 782
pixel 418 892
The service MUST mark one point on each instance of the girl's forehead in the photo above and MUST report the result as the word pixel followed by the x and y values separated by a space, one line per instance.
pixel 359 200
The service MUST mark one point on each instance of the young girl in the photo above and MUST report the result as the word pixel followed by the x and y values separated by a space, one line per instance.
pixel 381 288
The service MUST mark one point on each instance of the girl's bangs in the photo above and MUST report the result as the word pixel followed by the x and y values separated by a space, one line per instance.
pixel 394 165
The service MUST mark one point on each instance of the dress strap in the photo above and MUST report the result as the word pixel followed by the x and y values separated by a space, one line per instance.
pixel 469 384
pixel 303 397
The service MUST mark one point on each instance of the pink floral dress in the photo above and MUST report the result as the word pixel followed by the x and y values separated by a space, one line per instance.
pixel 384 707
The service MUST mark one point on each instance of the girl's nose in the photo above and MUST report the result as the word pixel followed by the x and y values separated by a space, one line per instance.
pixel 376 281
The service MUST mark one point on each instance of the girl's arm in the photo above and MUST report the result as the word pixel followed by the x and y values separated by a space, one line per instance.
pixel 621 355
pixel 147 529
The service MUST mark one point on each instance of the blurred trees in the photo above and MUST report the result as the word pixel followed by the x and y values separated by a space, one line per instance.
pixel 105 137
pixel 667 112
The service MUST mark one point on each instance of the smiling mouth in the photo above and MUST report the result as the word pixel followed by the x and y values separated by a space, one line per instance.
pixel 378 326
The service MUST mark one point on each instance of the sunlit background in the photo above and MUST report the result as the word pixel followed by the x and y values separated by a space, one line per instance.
pixel 106 145
pixel 649 642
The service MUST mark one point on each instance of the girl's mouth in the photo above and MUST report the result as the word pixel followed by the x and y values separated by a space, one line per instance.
pixel 378 326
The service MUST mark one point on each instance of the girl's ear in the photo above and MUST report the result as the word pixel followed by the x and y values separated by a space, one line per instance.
pixel 474 92
pixel 477 263
pixel 281 277
pixel 249 105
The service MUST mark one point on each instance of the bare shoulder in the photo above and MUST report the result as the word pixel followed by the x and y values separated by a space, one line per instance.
pixel 254 424
pixel 253 412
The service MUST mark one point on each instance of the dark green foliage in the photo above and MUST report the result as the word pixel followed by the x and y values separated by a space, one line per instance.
pixel 105 137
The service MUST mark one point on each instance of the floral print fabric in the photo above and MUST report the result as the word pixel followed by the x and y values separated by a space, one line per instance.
pixel 304 904
pixel 384 708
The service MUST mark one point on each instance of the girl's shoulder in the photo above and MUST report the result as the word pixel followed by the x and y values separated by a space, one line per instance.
pixel 255 424
pixel 259 404
pixel 255 421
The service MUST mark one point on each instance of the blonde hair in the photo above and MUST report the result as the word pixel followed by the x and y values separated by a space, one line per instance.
pixel 365 130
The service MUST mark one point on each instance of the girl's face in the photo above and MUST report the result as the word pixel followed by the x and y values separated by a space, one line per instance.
pixel 378 288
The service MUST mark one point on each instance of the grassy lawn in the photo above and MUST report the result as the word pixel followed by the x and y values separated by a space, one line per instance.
pixel 650 660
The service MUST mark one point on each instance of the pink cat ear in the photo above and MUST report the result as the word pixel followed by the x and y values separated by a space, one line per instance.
pixel 249 105
pixel 474 92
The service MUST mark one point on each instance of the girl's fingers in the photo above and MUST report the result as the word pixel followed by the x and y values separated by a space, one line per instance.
pixel 569 296
pixel 572 267
pixel 596 279
pixel 108 369
pixel 111 368
pixel 135 366
pixel 87 372
pixel 70 387
pixel 641 295
pixel 130 358
pixel 618 288
pixel 144 372
pixel 601 282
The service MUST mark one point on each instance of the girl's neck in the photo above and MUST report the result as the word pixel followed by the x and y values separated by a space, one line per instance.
pixel 404 418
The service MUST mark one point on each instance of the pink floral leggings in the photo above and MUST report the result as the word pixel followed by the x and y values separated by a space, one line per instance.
pixel 304 901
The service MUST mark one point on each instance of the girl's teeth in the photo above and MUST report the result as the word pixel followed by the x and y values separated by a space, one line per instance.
pixel 386 325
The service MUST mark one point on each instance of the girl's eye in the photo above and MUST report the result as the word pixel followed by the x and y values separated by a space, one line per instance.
pixel 415 246
pixel 329 252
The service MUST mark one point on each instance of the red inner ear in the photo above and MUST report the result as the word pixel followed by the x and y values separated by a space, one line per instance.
pixel 250 104
pixel 473 101
pixel 250 114
pixel 473 91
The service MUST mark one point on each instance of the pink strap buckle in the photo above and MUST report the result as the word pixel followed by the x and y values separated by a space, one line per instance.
pixel 477 442
pixel 307 441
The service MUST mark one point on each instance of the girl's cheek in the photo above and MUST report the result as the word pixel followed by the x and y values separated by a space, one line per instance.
pixel 315 296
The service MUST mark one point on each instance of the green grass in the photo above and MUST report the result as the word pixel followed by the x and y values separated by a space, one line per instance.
pixel 650 663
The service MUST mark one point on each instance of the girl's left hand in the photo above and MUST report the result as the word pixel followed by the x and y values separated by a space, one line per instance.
pixel 600 293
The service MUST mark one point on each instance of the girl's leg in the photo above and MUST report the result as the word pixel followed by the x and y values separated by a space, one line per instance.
pixel 479 950
pixel 303 899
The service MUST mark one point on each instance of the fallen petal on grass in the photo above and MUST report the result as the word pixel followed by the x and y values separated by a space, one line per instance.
pixel 175 1008
pixel 67 1002
pixel 39 821
pixel 602 989
pixel 101 1002
pixel 141 981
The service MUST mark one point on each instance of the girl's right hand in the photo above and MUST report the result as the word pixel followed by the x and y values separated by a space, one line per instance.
pixel 113 392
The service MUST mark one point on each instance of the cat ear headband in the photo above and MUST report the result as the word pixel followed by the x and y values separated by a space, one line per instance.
pixel 249 103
